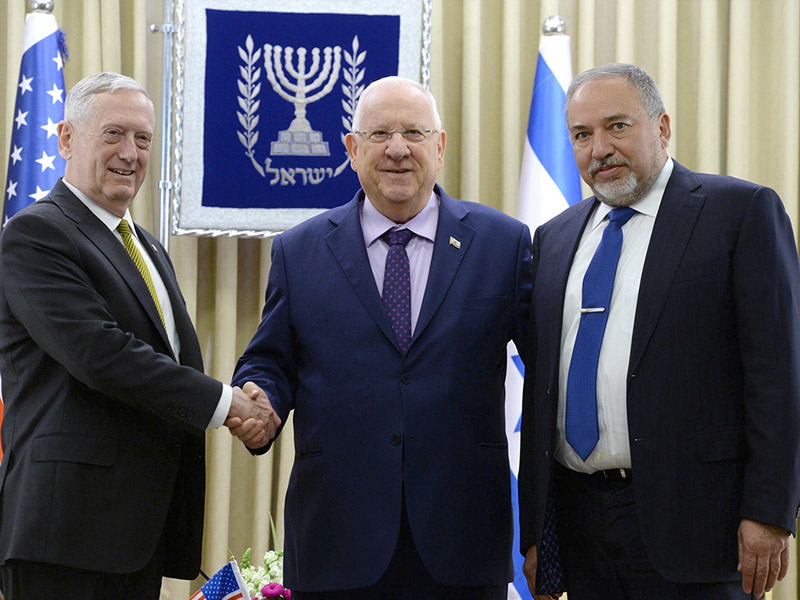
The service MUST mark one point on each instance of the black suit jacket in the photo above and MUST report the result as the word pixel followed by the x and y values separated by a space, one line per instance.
pixel 103 426
pixel 713 393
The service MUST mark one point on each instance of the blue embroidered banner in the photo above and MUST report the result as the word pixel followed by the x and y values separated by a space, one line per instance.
pixel 280 89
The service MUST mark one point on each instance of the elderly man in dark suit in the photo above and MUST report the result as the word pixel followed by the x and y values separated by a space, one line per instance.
pixel 106 402
pixel 385 330
pixel 661 411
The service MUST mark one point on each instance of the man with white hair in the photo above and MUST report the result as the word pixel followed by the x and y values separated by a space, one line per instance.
pixel 106 404
pixel 385 330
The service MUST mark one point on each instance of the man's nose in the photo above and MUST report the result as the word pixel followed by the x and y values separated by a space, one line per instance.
pixel 127 148
pixel 397 146
pixel 602 145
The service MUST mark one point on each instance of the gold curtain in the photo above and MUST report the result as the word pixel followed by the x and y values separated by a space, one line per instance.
pixel 729 71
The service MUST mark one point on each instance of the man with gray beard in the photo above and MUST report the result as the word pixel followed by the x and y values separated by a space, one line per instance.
pixel 661 416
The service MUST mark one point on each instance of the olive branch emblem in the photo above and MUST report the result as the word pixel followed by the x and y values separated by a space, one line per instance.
pixel 352 91
pixel 249 88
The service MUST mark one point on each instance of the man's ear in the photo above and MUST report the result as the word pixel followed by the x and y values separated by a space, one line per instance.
pixel 66 134
pixel 351 145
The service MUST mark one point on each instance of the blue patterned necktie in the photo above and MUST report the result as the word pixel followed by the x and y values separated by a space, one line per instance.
pixel 581 414
pixel 397 286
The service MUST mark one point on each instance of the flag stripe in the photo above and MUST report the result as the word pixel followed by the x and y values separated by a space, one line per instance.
pixel 547 132
pixel 38 25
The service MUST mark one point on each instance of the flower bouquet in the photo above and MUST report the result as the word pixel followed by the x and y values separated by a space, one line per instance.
pixel 265 581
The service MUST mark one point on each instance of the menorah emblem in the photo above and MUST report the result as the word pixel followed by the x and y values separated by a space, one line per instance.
pixel 300 139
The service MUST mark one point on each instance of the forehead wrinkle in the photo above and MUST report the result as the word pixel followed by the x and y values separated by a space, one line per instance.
pixel 608 119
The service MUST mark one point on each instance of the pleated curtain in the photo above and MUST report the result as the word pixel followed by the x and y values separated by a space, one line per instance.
pixel 729 71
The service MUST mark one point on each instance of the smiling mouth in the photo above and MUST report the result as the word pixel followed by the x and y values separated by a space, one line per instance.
pixel 121 172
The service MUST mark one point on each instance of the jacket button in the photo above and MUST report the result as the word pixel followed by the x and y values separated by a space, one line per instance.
pixel 396 439
pixel 405 378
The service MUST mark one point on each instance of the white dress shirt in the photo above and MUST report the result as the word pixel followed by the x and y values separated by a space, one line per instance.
pixel 419 249
pixel 612 450
pixel 111 221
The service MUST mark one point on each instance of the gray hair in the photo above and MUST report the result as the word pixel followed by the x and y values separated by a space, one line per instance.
pixel 437 120
pixel 80 99
pixel 641 80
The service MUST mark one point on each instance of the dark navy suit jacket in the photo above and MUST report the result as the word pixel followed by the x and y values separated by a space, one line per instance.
pixel 103 431
pixel 713 393
pixel 370 422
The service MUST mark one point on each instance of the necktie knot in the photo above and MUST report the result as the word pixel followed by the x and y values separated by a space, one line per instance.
pixel 398 236
pixel 620 216
pixel 123 228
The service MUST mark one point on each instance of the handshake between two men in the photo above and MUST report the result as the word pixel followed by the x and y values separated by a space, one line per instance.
pixel 251 417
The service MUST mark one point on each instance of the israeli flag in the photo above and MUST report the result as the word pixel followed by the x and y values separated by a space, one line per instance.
pixel 34 164
pixel 549 182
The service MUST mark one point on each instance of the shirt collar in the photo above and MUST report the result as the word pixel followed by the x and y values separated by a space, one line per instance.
pixel 374 223
pixel 648 204
pixel 108 218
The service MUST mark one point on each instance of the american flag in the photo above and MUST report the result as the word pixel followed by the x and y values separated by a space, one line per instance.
pixel 225 584
pixel 34 164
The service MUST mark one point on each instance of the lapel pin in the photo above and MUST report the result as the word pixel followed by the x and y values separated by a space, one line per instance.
pixel 153 246
pixel 455 243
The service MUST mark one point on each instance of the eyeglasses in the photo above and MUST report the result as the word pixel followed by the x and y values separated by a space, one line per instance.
pixel 414 136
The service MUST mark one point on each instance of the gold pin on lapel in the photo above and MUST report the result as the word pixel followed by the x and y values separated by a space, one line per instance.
pixel 455 243
pixel 154 248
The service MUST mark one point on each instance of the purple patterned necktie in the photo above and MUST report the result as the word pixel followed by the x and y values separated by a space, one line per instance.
pixel 397 285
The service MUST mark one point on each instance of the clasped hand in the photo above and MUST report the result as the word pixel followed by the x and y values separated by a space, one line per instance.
pixel 251 417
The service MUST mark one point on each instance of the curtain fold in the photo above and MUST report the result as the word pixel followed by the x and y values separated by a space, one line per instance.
pixel 729 72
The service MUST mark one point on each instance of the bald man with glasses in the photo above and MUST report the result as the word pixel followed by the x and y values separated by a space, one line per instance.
pixel 385 330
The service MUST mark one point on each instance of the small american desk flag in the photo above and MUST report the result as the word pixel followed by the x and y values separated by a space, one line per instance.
pixel 34 164
pixel 225 584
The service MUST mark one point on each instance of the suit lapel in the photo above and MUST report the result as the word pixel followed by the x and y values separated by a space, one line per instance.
pixel 346 242
pixel 447 257
pixel 553 270
pixel 673 228
pixel 183 323
pixel 105 241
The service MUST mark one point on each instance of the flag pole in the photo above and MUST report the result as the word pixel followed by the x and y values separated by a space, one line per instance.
pixel 554 25
pixel 165 183
pixel 41 5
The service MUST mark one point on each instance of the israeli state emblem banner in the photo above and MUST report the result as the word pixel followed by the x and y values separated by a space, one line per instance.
pixel 265 93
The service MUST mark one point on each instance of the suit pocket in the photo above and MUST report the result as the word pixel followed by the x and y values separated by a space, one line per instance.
pixel 726 444
pixel 89 450
pixel 310 453
pixel 499 447
pixel 701 270
pixel 491 303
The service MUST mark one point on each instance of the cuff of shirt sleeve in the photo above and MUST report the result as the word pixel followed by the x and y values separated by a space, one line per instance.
pixel 223 408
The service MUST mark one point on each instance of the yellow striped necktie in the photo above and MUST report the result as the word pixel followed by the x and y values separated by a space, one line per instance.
pixel 127 240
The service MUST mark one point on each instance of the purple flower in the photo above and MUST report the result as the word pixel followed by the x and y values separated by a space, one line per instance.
pixel 272 590
pixel 287 593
